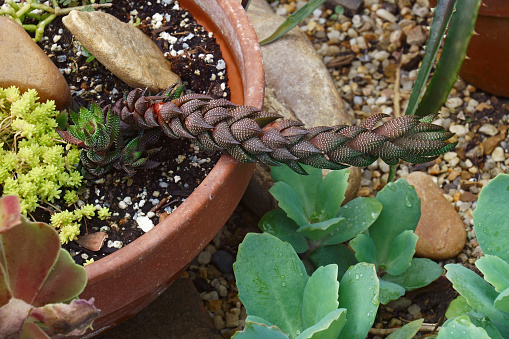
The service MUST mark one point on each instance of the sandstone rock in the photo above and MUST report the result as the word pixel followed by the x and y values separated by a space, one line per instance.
pixel 441 231
pixel 26 66
pixel 123 49
pixel 298 86
pixel 295 72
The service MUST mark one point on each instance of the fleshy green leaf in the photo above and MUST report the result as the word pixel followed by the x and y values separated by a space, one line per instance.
pixel 321 229
pixel 495 270
pixel 478 293
pixel 331 194
pixel 329 326
pixel 306 186
pixel 461 328
pixel 364 248
pixel 491 221
pixel 320 295
pixel 293 20
pixel 401 253
pixel 460 306
pixel 339 254
pixel 359 214
pixel 256 330
pixel 502 301
pixel 421 273
pixel 401 212
pixel 271 281
pixel 290 202
pixel 408 331
pixel 277 223
pixel 390 291
pixel 358 293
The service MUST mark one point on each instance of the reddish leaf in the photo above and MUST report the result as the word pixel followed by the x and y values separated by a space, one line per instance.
pixel 65 281
pixel 30 251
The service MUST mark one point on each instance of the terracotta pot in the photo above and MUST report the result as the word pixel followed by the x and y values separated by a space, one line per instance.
pixel 126 281
pixel 487 67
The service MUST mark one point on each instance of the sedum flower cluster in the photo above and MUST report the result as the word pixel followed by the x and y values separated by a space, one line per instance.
pixel 35 164
pixel 68 222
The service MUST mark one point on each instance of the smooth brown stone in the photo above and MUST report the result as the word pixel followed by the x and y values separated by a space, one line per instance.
pixel 123 49
pixel 26 66
pixel 441 231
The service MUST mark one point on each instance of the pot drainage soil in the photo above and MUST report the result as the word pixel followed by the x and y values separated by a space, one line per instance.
pixel 150 194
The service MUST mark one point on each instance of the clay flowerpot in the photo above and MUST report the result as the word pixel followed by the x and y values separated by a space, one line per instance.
pixel 486 66
pixel 126 281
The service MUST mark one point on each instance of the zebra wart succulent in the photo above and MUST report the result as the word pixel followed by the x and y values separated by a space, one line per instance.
pixel 247 134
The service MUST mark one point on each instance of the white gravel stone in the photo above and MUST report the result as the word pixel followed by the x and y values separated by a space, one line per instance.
pixel 144 223
pixel 449 156
pixel 453 102
pixel 460 130
pixel 386 15
pixel 498 154
pixel 488 129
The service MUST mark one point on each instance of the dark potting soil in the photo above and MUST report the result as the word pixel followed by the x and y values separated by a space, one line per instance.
pixel 196 58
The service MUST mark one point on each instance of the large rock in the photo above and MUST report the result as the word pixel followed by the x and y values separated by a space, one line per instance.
pixel 295 73
pixel 26 66
pixel 299 87
pixel 441 231
pixel 123 49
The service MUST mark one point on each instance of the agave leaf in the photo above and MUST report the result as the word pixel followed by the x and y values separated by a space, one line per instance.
pixel 441 18
pixel 454 51
pixel 293 20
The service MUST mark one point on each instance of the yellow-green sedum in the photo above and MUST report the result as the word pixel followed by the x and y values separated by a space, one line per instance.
pixel 36 164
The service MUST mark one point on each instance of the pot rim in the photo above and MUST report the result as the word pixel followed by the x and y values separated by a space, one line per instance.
pixel 176 222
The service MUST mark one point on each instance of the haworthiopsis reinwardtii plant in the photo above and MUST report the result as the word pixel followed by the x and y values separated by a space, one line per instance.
pixel 246 133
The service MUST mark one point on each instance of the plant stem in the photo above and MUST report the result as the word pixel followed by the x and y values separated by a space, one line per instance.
pixel 392 172
pixel 386 331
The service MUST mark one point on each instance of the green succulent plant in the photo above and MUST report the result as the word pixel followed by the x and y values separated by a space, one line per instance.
pixel 103 145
